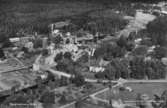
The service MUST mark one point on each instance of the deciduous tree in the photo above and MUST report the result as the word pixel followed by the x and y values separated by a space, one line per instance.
pixel 157 30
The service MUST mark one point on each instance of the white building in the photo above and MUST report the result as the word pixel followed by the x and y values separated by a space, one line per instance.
pixel 138 40
pixel 36 67
pixel 96 69
pixel 16 39
pixel 151 49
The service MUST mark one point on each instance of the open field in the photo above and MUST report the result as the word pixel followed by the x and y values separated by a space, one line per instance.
pixel 143 88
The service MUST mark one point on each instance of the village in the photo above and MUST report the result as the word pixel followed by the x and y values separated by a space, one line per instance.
pixel 88 68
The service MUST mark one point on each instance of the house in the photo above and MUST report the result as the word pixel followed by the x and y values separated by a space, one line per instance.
pixel 96 69
pixel 151 49
pixel 13 40
pixel 138 40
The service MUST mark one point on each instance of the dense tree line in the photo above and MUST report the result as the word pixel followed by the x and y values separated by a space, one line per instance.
pixel 65 63
pixel 157 31
pixel 116 69
pixel 160 52
pixel 109 51
pixel 137 68
pixel 106 25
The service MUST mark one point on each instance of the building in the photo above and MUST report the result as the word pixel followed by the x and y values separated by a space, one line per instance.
pixel 21 41
pixel 58 25
pixel 96 69
pixel 29 45
pixel 44 42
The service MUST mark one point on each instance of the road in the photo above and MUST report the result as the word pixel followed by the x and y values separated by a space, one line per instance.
pixel 93 96
pixel 59 73
pixel 21 63
pixel 82 98
pixel 17 69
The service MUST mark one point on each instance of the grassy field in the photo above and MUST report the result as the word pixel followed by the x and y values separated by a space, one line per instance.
pixel 143 88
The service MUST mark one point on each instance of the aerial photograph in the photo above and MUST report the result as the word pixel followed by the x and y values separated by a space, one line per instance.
pixel 83 53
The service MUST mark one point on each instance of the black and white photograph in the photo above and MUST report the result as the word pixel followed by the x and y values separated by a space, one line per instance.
pixel 83 53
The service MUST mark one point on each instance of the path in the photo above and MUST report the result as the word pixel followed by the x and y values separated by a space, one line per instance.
pixel 21 63
pixel 93 96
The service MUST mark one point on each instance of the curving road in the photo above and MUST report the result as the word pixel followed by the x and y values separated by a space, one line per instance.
pixel 59 73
